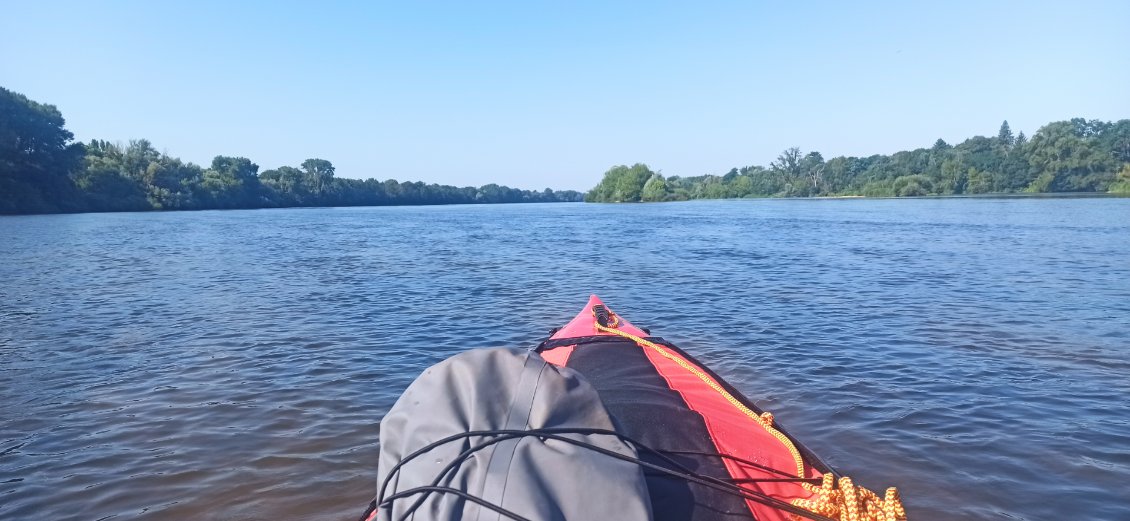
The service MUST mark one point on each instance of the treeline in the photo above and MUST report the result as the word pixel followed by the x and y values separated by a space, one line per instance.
pixel 1066 156
pixel 43 171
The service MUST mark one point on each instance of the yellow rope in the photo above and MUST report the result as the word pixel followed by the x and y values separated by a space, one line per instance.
pixel 847 503
pixel 851 503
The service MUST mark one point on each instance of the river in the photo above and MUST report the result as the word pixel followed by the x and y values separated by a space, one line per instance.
pixel 235 364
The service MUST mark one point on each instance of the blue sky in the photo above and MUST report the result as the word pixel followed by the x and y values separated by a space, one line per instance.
pixel 534 94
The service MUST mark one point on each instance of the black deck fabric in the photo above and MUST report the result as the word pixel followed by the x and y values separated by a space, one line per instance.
pixel 648 410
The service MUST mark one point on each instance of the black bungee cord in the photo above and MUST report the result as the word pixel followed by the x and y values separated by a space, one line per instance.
pixel 683 472
pixel 507 435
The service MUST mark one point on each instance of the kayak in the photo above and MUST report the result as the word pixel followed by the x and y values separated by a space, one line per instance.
pixel 600 421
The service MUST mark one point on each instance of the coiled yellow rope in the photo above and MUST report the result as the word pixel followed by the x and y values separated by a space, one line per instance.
pixel 846 503
pixel 852 503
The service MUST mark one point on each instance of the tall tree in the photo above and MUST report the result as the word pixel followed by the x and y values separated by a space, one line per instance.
pixel 789 173
pixel 1004 136
pixel 813 168
pixel 788 162
pixel 319 174
pixel 655 189
pixel 37 156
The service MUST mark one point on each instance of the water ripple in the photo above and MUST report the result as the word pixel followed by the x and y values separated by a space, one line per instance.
pixel 235 364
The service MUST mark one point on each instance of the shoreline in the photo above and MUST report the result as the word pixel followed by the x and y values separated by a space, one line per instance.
pixel 1003 195
pixel 1047 195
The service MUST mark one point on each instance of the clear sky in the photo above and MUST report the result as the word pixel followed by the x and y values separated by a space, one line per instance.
pixel 533 94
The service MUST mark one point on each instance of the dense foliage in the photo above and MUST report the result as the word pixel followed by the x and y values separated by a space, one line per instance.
pixel 36 157
pixel 1066 156
pixel 42 170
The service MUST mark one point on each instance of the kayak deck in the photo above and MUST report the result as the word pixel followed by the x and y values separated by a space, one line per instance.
pixel 697 449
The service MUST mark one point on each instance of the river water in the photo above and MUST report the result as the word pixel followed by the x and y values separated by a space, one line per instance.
pixel 235 364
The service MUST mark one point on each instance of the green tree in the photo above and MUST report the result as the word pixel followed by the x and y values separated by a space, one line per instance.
pixel 1121 184
pixel 977 182
pixel 1004 136
pixel 742 186
pixel 812 166
pixel 655 189
pixel 788 163
pixel 319 174
pixel 1116 139
pixel 787 173
pixel 912 185
pixel 954 175
pixel 37 156
pixel 1065 158
pixel 104 185
pixel 231 182
pixel 286 186
pixel 712 187
pixel 621 184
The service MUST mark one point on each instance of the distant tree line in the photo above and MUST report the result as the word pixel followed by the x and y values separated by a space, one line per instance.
pixel 43 171
pixel 1066 156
